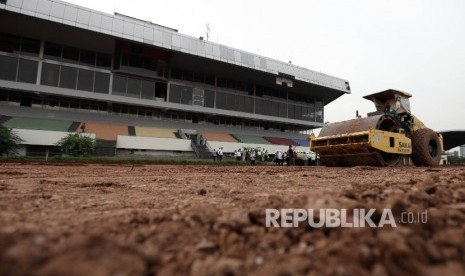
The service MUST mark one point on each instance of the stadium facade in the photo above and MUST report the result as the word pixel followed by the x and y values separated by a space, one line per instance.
pixel 63 62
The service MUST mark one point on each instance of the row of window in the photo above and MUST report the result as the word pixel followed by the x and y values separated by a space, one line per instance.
pixel 140 65
pixel 24 70
pixel 192 76
pixel 19 45
pixel 138 88
pixel 74 78
pixel 73 55
pixel 208 98
pixel 234 102
pixel 245 88
pixel 18 69
pixel 191 96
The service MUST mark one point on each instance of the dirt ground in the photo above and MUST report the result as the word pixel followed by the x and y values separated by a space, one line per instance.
pixel 87 219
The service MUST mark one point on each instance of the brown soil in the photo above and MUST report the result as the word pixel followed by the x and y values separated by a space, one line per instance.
pixel 210 220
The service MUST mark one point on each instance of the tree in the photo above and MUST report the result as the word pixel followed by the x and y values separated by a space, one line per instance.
pixel 9 141
pixel 76 144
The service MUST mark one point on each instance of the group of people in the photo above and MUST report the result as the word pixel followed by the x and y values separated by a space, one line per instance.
pixel 217 154
pixel 289 155
pixel 239 155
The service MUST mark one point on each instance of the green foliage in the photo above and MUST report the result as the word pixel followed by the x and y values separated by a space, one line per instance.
pixel 9 141
pixel 76 145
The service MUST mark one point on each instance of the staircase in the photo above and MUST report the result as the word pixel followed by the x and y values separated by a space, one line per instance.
pixel 202 150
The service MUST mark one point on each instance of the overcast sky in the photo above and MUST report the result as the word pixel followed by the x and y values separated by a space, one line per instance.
pixel 417 46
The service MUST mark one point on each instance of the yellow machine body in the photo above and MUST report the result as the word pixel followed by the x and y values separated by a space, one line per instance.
pixel 383 138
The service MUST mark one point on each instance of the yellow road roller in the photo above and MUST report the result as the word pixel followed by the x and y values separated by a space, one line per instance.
pixel 390 136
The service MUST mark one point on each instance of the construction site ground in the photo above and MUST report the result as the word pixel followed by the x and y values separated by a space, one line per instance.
pixel 95 219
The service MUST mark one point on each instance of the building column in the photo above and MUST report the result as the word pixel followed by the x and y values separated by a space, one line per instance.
pixel 39 66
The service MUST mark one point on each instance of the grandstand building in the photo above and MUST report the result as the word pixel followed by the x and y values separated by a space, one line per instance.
pixel 143 87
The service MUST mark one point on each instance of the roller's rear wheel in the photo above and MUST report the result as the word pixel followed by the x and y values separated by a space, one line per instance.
pixel 426 148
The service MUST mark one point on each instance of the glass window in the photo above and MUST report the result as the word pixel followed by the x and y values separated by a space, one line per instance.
pixel 50 74
pixel 8 66
pixel 267 107
pixel 53 102
pixel 309 100
pixel 68 77
pixel 119 84
pixel 14 98
pixel 176 74
pixel 186 96
pixel 231 84
pixel 260 106
pixel 27 71
pixel 283 110
pixel 311 114
pixel 147 89
pixel 74 105
pixel 221 100
pixel 188 76
pixel 298 112
pixel 259 91
pixel 249 89
pixel 70 54
pixel 199 77
pixel 175 93
pixel 133 87
pixel 304 115
pixel 248 104
pixel 160 90
pixel 85 80
pixel 64 104
pixel 9 43
pixel 209 98
pixel 210 79
pixel 124 60
pixel 221 82
pixel 30 47
pixel 102 82
pixel 291 111
pixel 52 51
pixel 275 109
pixel 36 101
pixel 87 58
pixel 319 115
pixel 238 103
pixel 150 64
pixel 103 60
pixel 136 61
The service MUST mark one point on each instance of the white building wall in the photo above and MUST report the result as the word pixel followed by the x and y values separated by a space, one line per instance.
pixel 152 143
pixel 43 137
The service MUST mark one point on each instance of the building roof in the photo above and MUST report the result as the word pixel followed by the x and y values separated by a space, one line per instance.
pixel 149 33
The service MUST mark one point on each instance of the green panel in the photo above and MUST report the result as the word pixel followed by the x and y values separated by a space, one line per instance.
pixel 39 124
